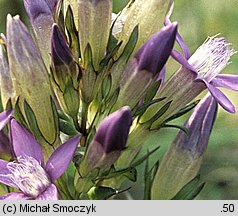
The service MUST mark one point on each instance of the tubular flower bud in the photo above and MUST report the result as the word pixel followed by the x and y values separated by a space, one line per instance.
pixel 5 79
pixel 65 74
pixel 182 161
pixel 30 79
pixel 145 67
pixel 109 140
pixel 94 28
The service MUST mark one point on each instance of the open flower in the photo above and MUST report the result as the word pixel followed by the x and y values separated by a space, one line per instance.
pixel 207 62
pixel 198 73
pixel 28 173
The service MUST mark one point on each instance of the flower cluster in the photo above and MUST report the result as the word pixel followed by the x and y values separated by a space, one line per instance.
pixel 86 89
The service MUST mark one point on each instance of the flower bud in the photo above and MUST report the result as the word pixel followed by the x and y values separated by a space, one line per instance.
pixel 145 66
pixel 41 15
pixel 94 28
pixel 182 161
pixel 65 74
pixel 109 140
pixel 5 79
pixel 30 78
pixel 134 14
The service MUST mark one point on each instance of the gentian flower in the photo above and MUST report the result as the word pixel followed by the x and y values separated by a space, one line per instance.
pixel 28 173
pixel 109 141
pixel 207 62
pixel 182 160
pixel 198 72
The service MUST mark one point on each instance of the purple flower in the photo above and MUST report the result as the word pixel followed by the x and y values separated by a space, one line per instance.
pixel 182 161
pixel 206 63
pixel 28 173
pixel 198 72
pixel 109 140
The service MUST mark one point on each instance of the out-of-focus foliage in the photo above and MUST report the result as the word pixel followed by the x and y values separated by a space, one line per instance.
pixel 197 19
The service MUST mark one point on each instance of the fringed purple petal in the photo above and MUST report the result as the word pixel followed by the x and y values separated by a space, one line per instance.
pixel 4 118
pixel 24 143
pixel 228 81
pixel 61 157
pixel 179 39
pixel 182 60
pixel 5 174
pixel 221 98
pixel 50 193
pixel 183 46
pixel 15 196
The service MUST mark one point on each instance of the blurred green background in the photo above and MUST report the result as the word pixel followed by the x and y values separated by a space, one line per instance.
pixel 197 19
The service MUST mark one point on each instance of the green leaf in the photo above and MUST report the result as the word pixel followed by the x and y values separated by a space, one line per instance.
pixel 67 128
pixel 183 111
pixel 149 175
pixel 32 123
pixel 190 190
pixel 151 92
pixel 140 110
pixel 130 46
pixel 106 86
pixel 145 157
pixel 109 56
pixel 71 98
pixel 101 193
pixel 129 173
pixel 18 113
pixel 72 32
pixel 184 129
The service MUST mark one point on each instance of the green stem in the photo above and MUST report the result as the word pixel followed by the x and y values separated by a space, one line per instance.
pixel 84 123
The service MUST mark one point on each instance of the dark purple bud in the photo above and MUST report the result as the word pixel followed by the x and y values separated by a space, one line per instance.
pixel 113 132
pixel 61 53
pixel 109 141
pixel 153 55
pixel 200 126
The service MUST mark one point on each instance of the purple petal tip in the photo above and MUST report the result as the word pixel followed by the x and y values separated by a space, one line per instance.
pixel 153 55
pixel 113 131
